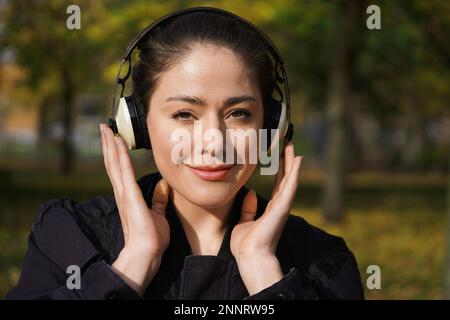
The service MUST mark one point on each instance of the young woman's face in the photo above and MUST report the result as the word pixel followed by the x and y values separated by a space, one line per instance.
pixel 214 86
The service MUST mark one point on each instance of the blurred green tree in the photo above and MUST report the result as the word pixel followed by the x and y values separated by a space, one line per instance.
pixel 56 59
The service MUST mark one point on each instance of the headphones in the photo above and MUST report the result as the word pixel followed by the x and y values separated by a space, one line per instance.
pixel 129 121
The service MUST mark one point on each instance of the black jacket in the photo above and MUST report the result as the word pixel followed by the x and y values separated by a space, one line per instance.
pixel 89 234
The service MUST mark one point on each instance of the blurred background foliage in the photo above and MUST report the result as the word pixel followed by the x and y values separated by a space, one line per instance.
pixel 370 108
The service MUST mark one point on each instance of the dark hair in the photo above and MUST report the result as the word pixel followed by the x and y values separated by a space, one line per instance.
pixel 174 39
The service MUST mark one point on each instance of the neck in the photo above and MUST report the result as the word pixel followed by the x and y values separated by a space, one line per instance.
pixel 204 227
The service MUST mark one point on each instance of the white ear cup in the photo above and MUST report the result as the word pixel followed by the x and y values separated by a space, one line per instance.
pixel 283 124
pixel 124 124
pixel 281 130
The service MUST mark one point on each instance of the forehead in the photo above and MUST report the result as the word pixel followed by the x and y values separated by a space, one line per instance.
pixel 209 71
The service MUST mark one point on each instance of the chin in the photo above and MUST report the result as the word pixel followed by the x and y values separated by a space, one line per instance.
pixel 208 195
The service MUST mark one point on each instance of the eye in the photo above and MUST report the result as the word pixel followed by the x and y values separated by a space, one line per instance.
pixel 240 114
pixel 183 115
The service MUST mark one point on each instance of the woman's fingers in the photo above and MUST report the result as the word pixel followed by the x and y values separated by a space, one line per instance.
pixel 112 161
pixel 287 193
pixel 249 206
pixel 128 177
pixel 279 206
pixel 160 197
pixel 141 225
pixel 285 164
pixel 279 177
pixel 289 155
pixel 114 176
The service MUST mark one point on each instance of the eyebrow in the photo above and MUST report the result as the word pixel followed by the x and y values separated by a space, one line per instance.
pixel 202 102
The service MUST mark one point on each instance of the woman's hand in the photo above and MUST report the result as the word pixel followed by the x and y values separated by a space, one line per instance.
pixel 146 231
pixel 254 242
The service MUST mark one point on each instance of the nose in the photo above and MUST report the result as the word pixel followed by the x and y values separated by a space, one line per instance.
pixel 212 121
pixel 212 140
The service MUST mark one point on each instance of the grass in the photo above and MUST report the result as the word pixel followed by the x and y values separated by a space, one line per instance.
pixel 395 221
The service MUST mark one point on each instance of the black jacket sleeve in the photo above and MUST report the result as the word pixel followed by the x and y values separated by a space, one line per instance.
pixel 318 266
pixel 55 243
pixel 323 280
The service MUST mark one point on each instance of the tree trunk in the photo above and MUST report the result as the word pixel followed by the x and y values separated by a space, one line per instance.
pixel 68 99
pixel 447 260
pixel 412 154
pixel 348 16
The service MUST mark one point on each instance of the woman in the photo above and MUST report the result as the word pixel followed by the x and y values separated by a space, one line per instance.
pixel 189 231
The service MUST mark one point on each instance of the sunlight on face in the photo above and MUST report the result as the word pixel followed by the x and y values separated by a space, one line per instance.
pixel 212 85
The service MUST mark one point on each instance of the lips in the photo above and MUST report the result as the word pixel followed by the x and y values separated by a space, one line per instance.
pixel 211 173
